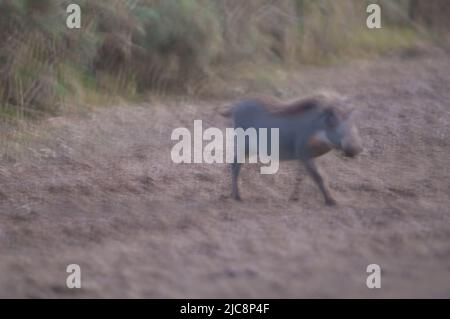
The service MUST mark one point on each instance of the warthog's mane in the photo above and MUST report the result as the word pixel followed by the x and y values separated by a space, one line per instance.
pixel 297 107
pixel 319 103
pixel 322 102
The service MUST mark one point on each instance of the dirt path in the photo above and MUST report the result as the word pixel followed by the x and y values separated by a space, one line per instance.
pixel 103 193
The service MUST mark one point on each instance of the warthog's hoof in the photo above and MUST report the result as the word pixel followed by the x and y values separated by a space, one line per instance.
pixel 237 198
pixel 330 202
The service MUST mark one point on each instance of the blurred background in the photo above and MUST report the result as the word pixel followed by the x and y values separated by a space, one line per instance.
pixel 86 176
pixel 195 47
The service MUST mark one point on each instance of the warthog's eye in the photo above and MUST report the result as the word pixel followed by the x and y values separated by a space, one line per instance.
pixel 331 120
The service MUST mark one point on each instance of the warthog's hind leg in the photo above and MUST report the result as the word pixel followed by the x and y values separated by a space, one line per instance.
pixel 235 169
pixel 298 180
pixel 313 171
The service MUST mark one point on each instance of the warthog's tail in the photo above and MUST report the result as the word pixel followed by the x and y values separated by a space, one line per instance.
pixel 226 113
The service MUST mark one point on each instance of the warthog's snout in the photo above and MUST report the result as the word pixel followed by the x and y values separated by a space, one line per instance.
pixel 351 144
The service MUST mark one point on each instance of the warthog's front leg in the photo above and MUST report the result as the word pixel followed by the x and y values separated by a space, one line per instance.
pixel 313 171
pixel 298 180
pixel 235 169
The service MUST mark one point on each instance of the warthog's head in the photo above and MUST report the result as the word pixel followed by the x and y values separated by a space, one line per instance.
pixel 341 132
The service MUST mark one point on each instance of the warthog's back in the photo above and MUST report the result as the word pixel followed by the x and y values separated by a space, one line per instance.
pixel 294 122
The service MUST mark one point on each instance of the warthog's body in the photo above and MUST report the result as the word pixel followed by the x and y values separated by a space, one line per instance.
pixel 308 129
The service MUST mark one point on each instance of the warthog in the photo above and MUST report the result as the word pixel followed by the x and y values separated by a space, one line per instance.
pixel 308 128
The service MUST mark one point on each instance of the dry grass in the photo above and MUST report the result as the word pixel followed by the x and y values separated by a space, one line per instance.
pixel 178 46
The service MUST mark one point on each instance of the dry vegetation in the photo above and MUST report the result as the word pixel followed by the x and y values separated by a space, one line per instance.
pixel 179 46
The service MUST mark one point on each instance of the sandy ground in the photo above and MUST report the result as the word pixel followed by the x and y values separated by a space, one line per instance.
pixel 103 193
